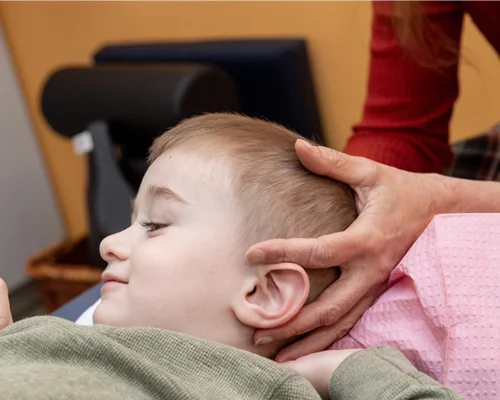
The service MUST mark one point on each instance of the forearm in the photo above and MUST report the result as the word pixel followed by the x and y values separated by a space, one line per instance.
pixel 384 373
pixel 467 196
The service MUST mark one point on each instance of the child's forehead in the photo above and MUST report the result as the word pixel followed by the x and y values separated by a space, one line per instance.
pixel 191 171
pixel 194 164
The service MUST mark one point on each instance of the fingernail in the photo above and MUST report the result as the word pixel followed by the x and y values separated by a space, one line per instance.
pixel 256 256
pixel 307 144
pixel 264 340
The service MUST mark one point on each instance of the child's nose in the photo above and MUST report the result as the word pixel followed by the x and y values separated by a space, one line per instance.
pixel 114 248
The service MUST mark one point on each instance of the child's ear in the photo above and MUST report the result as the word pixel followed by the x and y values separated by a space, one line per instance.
pixel 273 296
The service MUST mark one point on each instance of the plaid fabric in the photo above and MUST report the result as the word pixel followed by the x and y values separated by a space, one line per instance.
pixel 477 158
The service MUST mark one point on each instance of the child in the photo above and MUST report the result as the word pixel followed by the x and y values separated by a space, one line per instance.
pixel 177 281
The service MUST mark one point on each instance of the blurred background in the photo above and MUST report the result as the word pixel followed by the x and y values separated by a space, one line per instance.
pixel 43 198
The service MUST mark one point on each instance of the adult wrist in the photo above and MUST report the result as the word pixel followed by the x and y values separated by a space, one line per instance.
pixel 445 197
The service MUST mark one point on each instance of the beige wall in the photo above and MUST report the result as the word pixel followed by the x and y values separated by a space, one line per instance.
pixel 29 215
pixel 44 36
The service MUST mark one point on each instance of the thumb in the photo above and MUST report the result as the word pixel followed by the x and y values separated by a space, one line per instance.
pixel 334 164
pixel 5 314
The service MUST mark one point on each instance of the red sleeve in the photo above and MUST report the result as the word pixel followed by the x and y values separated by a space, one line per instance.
pixel 408 107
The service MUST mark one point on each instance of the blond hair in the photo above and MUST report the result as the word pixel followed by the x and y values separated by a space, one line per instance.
pixel 277 196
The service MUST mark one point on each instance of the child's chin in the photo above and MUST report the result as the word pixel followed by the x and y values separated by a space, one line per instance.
pixel 105 314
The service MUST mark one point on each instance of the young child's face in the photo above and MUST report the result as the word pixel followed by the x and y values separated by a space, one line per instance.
pixel 179 260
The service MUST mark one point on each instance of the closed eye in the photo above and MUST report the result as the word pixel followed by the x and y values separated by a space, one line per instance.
pixel 153 226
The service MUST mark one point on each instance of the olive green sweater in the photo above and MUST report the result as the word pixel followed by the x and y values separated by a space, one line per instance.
pixel 50 358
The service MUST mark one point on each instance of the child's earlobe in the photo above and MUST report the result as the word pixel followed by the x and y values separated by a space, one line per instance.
pixel 273 297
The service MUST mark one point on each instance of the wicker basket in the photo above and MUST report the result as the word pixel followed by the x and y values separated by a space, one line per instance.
pixel 62 273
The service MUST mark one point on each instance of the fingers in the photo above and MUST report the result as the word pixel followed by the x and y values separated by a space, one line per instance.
pixel 323 252
pixel 331 306
pixel 324 337
pixel 5 314
pixel 276 251
pixel 334 164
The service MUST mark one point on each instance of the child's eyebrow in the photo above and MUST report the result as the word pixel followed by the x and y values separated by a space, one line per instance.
pixel 156 191
pixel 165 192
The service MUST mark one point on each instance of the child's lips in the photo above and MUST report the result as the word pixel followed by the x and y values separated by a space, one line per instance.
pixel 111 282
pixel 109 277
pixel 112 285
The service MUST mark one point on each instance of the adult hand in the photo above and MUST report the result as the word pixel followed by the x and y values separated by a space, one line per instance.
pixel 5 314
pixel 394 209
pixel 318 368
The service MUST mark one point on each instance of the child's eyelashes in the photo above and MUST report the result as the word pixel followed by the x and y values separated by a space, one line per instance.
pixel 153 226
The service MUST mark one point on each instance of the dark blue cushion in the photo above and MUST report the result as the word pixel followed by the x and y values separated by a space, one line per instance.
pixel 76 307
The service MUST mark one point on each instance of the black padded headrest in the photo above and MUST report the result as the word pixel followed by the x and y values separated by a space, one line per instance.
pixel 273 76
pixel 143 99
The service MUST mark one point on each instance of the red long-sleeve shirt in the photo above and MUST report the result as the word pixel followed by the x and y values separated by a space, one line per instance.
pixel 408 106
